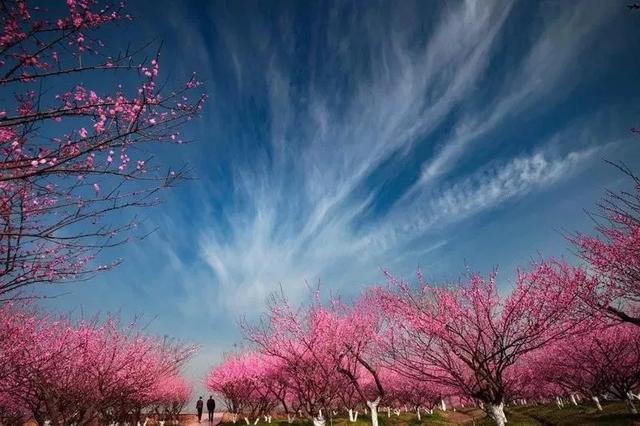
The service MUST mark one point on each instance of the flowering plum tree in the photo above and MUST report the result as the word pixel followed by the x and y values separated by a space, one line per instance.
pixel 57 370
pixel 420 395
pixel 353 333
pixel 250 384
pixel 303 340
pixel 467 336
pixel 605 361
pixel 72 158
pixel 614 255
pixel 171 394
pixel 229 382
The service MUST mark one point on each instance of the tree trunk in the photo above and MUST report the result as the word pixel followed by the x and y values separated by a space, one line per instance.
pixel 573 399
pixel 352 418
pixel 632 406
pixel 496 412
pixel 443 405
pixel 373 405
pixel 319 421
pixel 597 401
pixel 418 412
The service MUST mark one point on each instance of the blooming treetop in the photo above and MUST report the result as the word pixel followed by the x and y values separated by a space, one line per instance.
pixel 467 336
pixel 605 361
pixel 614 255
pixel 53 368
pixel 73 155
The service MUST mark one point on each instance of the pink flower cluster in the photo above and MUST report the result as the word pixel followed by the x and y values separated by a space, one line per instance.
pixel 74 160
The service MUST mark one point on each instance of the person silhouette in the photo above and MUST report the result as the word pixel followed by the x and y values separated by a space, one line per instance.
pixel 199 406
pixel 211 406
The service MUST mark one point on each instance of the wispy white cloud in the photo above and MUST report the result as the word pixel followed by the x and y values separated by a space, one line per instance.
pixel 257 260
pixel 296 209
pixel 300 208
pixel 549 70
pixel 488 187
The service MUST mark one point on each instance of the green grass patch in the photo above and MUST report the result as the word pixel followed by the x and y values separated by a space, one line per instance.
pixel 614 414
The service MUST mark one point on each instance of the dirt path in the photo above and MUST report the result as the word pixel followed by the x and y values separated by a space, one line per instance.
pixel 217 417
pixel 465 417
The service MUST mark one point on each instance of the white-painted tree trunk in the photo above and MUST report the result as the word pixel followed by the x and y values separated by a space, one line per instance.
pixel 632 406
pixel 396 412
pixel 256 421
pixel 290 418
pixel 350 411
pixel 418 413
pixel 388 412
pixel 246 420
pixel 573 399
pixel 234 418
pixel 443 405
pixel 267 418
pixel 353 415
pixel 373 406
pixel 559 402
pixel 597 401
pixel 496 412
pixel 319 421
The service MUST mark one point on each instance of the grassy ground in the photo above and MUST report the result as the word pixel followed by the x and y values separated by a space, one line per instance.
pixel 405 419
pixel 614 414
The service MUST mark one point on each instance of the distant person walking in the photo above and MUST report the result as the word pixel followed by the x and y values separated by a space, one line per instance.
pixel 199 406
pixel 211 407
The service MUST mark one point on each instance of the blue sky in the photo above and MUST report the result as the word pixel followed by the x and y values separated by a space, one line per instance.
pixel 345 138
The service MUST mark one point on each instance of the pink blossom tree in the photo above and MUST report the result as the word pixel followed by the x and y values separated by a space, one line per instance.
pixel 614 254
pixel 420 395
pixel 605 361
pixel 171 394
pixel 249 385
pixel 468 336
pixel 303 340
pixel 228 381
pixel 69 372
pixel 75 159
pixel 353 333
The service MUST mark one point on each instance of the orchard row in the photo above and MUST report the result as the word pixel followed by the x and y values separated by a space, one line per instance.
pixel 560 333
pixel 83 372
